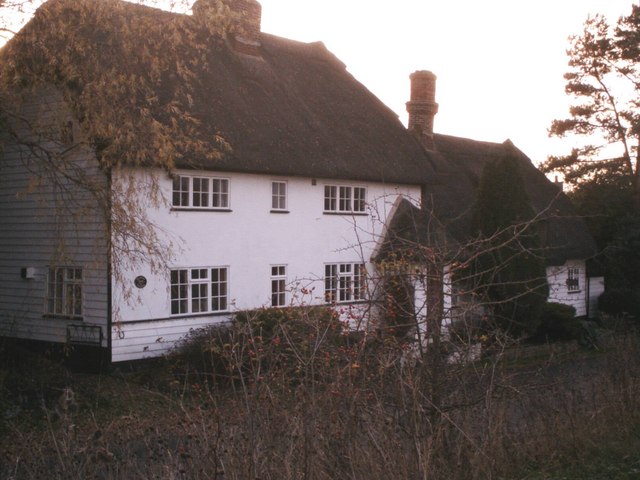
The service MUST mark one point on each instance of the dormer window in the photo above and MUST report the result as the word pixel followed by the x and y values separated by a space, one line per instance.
pixel 344 199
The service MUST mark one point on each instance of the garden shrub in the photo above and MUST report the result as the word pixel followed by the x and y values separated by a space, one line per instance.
pixel 268 341
pixel 558 322
pixel 620 301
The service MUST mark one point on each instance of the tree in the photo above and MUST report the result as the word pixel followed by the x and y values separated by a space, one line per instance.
pixel 604 80
pixel 508 270
pixel 112 89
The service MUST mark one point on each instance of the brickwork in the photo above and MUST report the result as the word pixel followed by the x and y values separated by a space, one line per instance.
pixel 422 106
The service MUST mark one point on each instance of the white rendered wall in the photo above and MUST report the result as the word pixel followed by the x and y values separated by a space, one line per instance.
pixel 248 239
pixel 558 291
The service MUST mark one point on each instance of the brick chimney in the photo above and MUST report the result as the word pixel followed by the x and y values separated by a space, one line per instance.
pixel 422 106
pixel 240 19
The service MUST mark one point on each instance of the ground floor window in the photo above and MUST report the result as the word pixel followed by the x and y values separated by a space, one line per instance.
pixel 199 290
pixel 344 282
pixel 64 292
pixel 573 279
pixel 278 285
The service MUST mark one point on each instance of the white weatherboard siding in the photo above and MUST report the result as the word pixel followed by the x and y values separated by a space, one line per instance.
pixel 559 291
pixel 596 288
pixel 248 239
pixel 43 225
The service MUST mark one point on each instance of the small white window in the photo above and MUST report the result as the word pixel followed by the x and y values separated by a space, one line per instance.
pixel 344 199
pixel 573 279
pixel 64 292
pixel 279 196
pixel 278 285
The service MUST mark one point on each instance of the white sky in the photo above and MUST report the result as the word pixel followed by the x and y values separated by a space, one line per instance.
pixel 499 63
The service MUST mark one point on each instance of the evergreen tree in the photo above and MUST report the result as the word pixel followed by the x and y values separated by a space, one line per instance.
pixel 509 270
pixel 604 81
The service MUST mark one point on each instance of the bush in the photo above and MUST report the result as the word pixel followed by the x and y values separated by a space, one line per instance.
pixel 620 301
pixel 559 322
pixel 263 342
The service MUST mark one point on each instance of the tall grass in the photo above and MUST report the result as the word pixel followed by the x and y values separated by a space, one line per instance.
pixel 292 394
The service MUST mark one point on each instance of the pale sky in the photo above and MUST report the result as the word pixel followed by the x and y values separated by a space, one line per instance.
pixel 499 63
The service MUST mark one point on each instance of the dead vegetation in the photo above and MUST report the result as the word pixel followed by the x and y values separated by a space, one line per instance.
pixel 298 397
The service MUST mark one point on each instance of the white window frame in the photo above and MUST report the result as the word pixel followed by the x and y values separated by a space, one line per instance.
pixel 279 190
pixel 188 193
pixel 573 279
pixel 198 290
pixel 278 285
pixel 345 199
pixel 344 282
pixel 64 292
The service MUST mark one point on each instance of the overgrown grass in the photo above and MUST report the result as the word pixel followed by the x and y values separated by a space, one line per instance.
pixel 291 394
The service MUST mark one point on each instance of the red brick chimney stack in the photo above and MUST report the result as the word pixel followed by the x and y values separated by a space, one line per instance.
pixel 422 106
pixel 243 22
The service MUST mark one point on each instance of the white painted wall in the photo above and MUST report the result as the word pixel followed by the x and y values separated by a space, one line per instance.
pixel 558 291
pixel 248 239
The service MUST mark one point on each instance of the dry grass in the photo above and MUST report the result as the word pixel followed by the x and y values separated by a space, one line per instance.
pixel 316 404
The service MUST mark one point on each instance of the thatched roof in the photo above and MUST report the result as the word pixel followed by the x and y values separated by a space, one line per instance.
pixel 157 88
pixel 415 235
pixel 291 110
pixel 444 222
pixel 460 164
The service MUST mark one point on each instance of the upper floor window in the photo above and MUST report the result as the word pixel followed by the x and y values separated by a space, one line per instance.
pixel 64 292
pixel 199 290
pixel 344 282
pixel 200 192
pixel 573 279
pixel 344 199
pixel 278 285
pixel 279 196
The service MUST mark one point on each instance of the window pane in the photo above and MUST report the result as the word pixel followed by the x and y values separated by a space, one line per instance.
pixel 77 300
pixel 220 197
pixel 278 293
pixel 200 192
pixel 330 282
pixel 199 297
pixel 64 292
pixel 345 199
pixel 181 191
pixel 330 193
pixel 278 285
pixel 359 282
pixel 218 289
pixel 573 279
pixel 359 194
pixel 278 195
pixel 179 291
pixel 344 288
